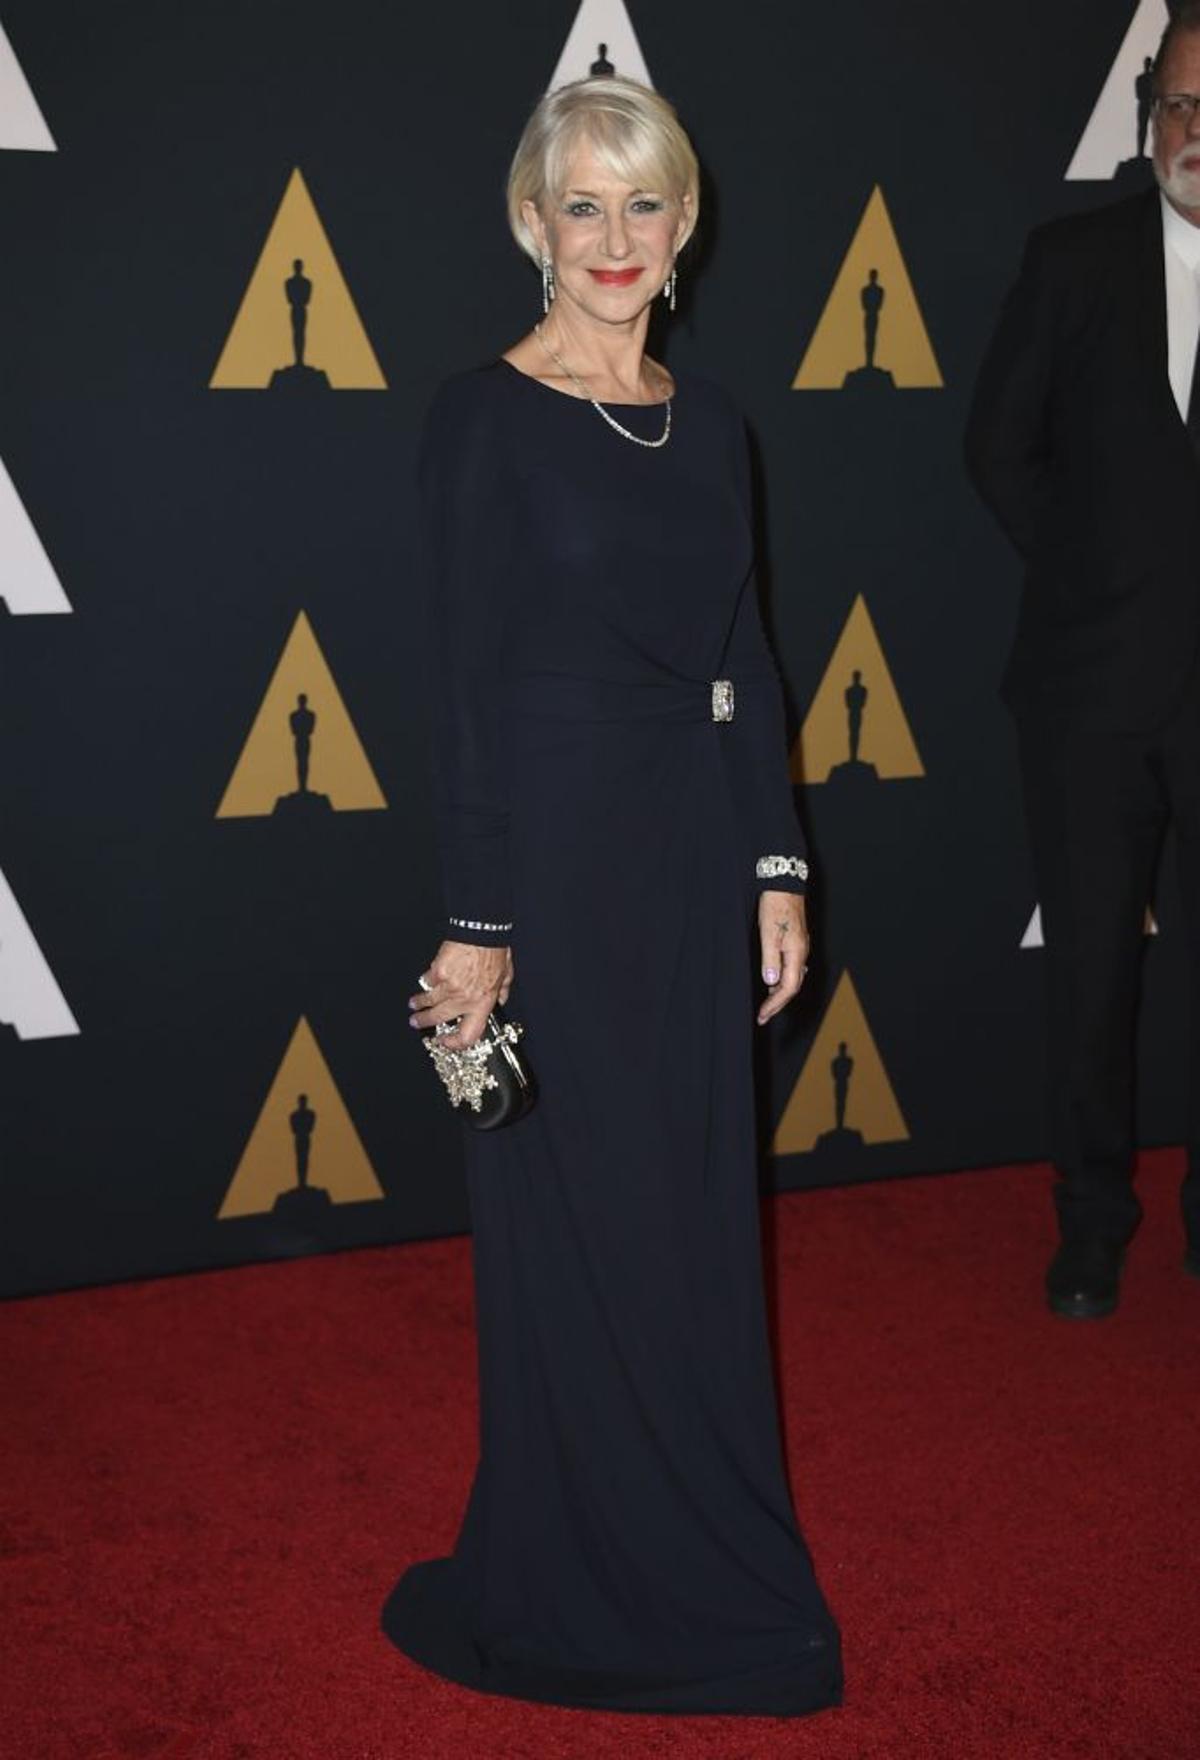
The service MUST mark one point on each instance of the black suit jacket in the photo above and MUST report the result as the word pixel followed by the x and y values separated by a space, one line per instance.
pixel 1075 442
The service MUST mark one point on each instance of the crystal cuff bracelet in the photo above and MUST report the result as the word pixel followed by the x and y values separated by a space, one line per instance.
pixel 468 923
pixel 768 866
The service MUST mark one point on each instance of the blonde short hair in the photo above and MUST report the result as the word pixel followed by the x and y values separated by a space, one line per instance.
pixel 633 131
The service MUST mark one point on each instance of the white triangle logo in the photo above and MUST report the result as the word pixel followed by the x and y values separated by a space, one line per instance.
pixel 602 32
pixel 30 999
pixel 1034 937
pixel 22 124
pixel 1111 136
pixel 28 582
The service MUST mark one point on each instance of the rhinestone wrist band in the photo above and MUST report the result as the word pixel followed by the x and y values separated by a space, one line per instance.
pixel 768 866
pixel 469 923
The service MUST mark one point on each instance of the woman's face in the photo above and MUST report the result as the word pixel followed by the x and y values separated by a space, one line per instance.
pixel 611 245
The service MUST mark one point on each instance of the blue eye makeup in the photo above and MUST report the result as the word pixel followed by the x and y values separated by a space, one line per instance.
pixel 582 209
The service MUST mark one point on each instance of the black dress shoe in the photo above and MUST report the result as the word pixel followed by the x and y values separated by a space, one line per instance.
pixel 1084 1279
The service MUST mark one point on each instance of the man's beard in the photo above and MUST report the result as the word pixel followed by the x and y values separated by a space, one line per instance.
pixel 1182 186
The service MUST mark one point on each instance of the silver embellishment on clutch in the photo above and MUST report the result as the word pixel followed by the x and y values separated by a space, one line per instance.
pixel 470 923
pixel 722 699
pixel 767 867
pixel 466 1073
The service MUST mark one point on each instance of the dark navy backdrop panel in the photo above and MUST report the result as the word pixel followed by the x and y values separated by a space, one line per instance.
pixel 217 966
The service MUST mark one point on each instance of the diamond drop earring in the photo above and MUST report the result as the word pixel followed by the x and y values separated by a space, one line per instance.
pixel 547 283
pixel 669 289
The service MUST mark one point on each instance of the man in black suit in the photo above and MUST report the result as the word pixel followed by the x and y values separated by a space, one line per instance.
pixel 1084 440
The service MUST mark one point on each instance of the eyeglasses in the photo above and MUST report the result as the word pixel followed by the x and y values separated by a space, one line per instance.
pixel 1177 106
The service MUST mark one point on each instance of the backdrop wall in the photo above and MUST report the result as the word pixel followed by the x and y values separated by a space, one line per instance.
pixel 212 904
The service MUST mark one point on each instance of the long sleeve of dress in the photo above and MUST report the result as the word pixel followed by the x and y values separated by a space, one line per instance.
pixel 757 735
pixel 466 524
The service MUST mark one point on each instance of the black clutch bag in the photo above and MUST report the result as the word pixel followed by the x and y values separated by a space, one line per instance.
pixel 490 1080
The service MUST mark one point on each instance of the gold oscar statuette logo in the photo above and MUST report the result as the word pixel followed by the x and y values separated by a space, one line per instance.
pixel 856 730
pixel 871 335
pixel 842 1098
pixel 304 1153
pixel 302 758
pixel 297 328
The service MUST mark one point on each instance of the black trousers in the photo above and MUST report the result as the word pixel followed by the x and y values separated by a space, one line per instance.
pixel 1097 805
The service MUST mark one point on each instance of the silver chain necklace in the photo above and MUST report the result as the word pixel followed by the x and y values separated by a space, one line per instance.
pixel 599 407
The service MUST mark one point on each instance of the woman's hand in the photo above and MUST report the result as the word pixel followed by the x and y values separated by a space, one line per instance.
pixel 466 980
pixel 783 934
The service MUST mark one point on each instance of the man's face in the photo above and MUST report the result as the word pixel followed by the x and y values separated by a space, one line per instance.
pixel 1177 139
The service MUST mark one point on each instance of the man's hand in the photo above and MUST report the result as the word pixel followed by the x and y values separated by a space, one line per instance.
pixel 466 980
pixel 783 936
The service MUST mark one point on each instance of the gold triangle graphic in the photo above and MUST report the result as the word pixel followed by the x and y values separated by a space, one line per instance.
pixel 872 276
pixel 303 1105
pixel 261 346
pixel 843 1059
pixel 856 723
pixel 301 718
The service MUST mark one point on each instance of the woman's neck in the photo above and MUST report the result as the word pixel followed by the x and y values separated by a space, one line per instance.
pixel 602 355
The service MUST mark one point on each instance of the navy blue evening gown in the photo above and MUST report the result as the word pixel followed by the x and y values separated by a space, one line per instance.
pixel 629 1541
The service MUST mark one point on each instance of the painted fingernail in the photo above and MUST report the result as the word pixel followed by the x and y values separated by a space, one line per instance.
pixel 771 976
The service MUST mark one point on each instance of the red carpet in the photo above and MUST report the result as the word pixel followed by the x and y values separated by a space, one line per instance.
pixel 211 1482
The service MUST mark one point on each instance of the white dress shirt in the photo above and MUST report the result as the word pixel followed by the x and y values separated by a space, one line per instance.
pixel 1181 261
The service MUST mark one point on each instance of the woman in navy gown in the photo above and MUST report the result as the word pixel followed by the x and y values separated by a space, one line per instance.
pixel 614 817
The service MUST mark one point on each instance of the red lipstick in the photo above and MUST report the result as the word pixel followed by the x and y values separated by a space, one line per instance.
pixel 615 277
